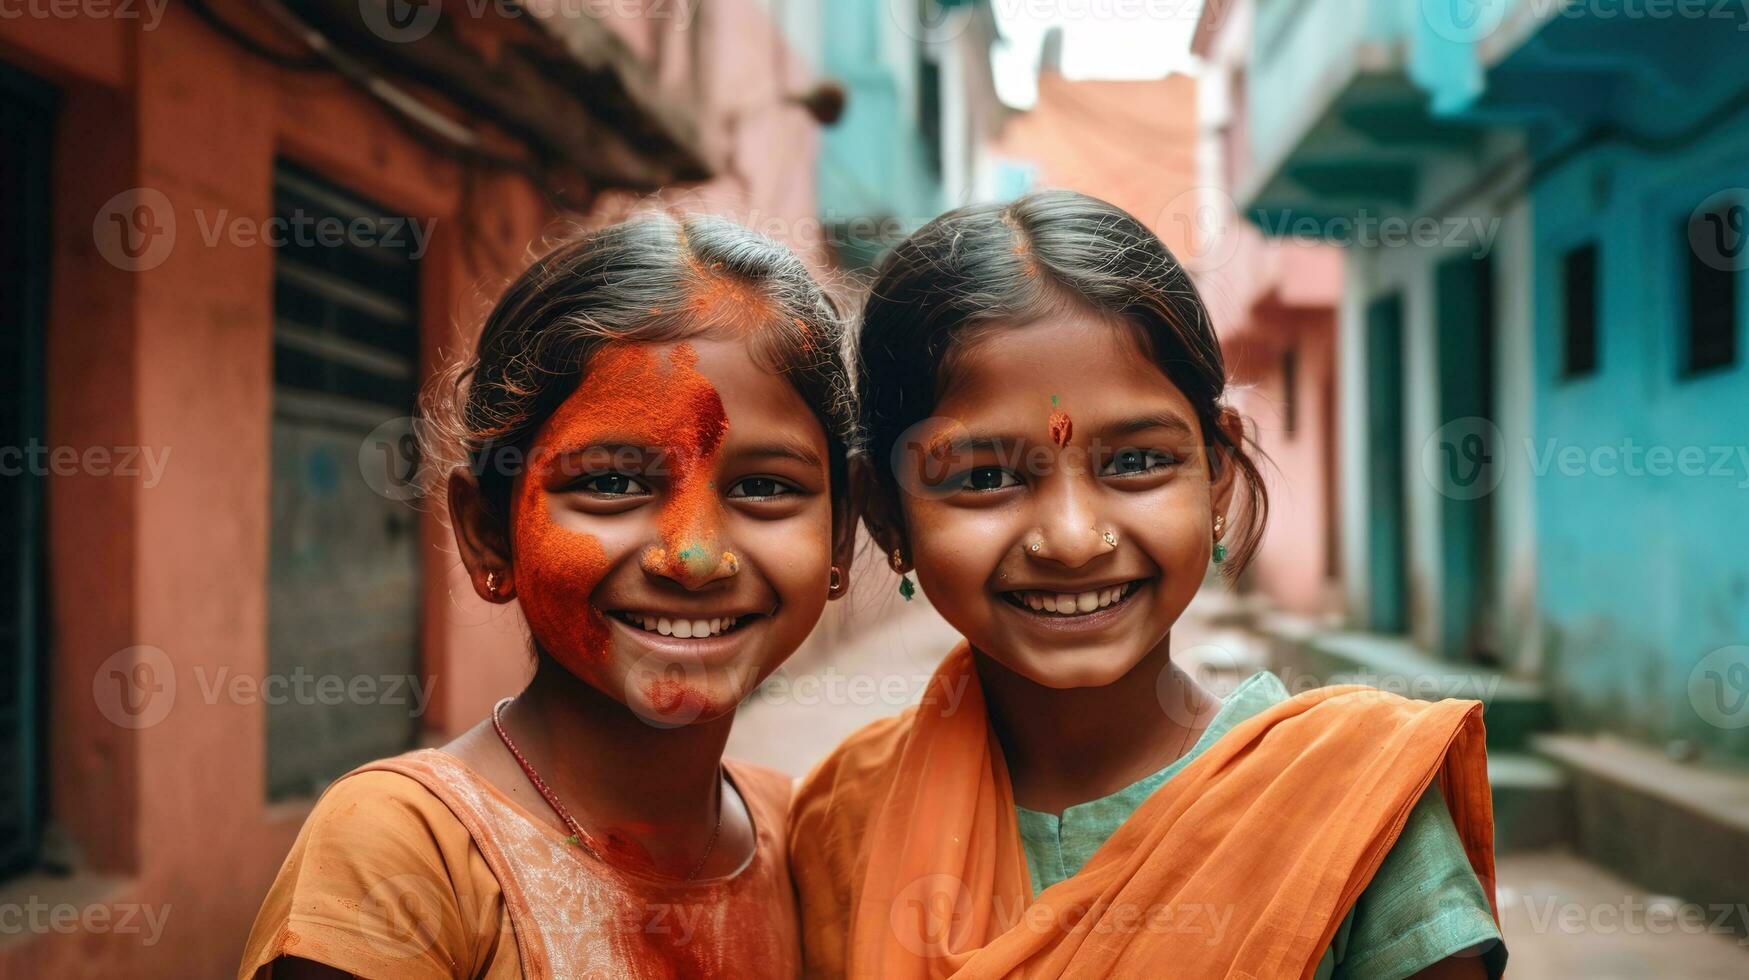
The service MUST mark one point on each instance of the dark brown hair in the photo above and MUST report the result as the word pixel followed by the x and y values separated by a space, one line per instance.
pixel 655 278
pixel 982 267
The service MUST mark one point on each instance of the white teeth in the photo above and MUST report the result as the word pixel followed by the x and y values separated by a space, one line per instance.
pixel 1066 604
pixel 684 629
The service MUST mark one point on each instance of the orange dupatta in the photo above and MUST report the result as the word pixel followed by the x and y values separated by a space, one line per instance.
pixel 908 861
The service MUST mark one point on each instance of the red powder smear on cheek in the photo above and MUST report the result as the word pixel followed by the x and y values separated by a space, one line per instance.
pixel 672 696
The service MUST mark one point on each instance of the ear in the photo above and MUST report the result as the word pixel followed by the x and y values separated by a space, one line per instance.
pixel 882 513
pixel 480 537
pixel 846 511
pixel 1225 470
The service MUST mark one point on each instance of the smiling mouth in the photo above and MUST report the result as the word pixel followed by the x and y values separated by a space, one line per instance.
pixel 1067 605
pixel 682 628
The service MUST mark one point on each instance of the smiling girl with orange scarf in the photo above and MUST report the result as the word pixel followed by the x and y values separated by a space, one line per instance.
pixel 1047 447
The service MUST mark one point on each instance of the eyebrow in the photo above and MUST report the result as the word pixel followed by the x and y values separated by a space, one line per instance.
pixel 1169 421
pixel 781 450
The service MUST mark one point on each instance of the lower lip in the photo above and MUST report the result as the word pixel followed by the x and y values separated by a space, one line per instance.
pixel 704 649
pixel 1082 623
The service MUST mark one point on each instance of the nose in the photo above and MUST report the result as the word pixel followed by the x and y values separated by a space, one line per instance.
pixel 1068 527
pixel 692 552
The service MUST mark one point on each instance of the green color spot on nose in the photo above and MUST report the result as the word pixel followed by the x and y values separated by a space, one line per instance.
pixel 693 553
pixel 1053 401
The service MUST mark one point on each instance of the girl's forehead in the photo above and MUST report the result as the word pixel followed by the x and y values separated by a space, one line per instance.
pixel 1073 363
pixel 645 391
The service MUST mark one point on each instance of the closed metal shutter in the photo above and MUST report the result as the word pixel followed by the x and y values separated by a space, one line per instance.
pixel 343 613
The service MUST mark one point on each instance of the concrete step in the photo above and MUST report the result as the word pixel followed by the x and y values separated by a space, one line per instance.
pixel 1675 828
pixel 1532 805
pixel 1306 654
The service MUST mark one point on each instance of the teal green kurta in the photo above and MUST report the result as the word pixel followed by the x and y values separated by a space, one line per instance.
pixel 1424 904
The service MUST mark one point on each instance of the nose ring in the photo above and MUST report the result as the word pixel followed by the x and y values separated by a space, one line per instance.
pixel 1110 537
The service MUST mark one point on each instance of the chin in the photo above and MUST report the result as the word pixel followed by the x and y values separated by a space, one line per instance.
pixel 1068 669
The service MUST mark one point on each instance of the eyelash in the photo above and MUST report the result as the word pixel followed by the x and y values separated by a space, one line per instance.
pixel 1009 479
pixel 1156 459
pixel 784 488
pixel 637 488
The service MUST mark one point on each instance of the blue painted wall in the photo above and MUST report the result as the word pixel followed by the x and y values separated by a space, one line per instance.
pixel 1642 577
pixel 874 162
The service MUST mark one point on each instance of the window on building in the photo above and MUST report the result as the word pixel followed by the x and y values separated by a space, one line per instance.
pixel 1713 242
pixel 343 591
pixel 929 91
pixel 1290 391
pixel 1579 311
pixel 25 108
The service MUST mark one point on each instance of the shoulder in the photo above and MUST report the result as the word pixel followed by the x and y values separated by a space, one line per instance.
pixel 844 784
pixel 382 877
pixel 828 815
pixel 1424 904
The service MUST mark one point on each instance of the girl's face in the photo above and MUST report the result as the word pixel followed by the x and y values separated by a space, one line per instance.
pixel 671 534
pixel 1059 506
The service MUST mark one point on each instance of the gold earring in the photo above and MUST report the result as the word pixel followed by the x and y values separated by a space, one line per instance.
pixel 897 560
pixel 834 580
pixel 492 584
pixel 1220 525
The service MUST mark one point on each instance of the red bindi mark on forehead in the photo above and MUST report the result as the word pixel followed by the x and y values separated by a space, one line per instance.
pixel 1062 427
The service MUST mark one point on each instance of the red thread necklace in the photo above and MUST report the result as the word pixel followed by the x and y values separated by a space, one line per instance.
pixel 579 836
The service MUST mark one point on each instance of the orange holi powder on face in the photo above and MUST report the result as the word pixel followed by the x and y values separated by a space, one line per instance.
pixel 627 397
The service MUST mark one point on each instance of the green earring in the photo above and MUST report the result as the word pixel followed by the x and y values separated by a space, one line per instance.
pixel 1220 552
pixel 907 588
pixel 1220 549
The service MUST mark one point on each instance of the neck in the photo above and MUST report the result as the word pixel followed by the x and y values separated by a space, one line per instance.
pixel 1065 746
pixel 611 768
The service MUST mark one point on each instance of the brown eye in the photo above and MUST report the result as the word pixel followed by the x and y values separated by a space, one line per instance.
pixel 761 488
pixel 612 485
pixel 986 478
pixel 1130 462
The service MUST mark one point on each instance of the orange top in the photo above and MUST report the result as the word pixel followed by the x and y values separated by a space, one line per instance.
pixel 909 864
pixel 417 867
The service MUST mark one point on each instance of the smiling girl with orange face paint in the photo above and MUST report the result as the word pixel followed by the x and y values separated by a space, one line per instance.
pixel 655 427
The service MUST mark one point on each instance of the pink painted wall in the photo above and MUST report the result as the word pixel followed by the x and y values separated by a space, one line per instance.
pixel 172 816
pixel 1269 297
